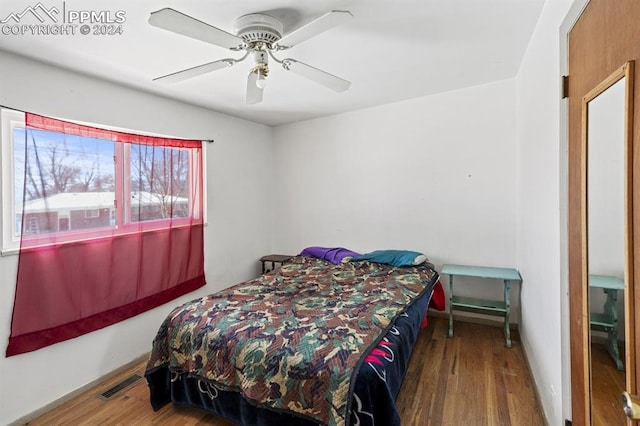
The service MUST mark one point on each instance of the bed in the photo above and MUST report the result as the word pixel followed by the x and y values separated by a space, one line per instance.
pixel 312 343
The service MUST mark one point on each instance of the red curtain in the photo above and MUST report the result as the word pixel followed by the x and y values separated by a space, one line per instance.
pixel 110 226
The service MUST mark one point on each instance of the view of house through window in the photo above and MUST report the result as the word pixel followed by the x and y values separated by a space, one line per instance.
pixel 70 184
pixel 159 183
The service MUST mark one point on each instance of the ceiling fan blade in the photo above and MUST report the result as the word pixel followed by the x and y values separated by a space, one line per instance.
pixel 172 20
pixel 315 27
pixel 254 93
pixel 195 71
pixel 314 74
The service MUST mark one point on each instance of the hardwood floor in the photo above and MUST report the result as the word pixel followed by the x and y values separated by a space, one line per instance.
pixel 470 379
pixel 607 386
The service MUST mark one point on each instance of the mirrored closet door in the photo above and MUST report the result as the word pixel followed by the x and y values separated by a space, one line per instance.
pixel 603 212
pixel 605 114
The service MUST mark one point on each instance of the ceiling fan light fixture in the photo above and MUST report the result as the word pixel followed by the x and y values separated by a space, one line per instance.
pixel 261 68
pixel 261 82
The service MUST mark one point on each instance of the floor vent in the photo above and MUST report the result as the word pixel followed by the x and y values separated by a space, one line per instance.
pixel 113 391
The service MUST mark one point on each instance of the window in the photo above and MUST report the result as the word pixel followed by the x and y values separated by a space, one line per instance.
pixel 110 225
pixel 83 186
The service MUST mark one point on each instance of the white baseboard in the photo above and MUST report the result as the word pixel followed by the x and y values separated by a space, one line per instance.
pixel 481 319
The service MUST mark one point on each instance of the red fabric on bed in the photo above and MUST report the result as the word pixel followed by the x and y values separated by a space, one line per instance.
pixel 437 302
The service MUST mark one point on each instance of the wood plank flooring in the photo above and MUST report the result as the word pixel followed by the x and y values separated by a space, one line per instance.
pixel 608 384
pixel 470 379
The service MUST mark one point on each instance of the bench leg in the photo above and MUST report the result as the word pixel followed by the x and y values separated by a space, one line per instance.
pixel 610 308
pixel 450 305
pixel 507 331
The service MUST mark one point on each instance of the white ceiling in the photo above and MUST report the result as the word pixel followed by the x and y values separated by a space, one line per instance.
pixel 391 50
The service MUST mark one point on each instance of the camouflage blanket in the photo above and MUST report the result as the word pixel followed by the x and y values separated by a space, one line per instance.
pixel 292 340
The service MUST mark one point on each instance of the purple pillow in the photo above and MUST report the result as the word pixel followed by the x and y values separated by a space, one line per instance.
pixel 332 254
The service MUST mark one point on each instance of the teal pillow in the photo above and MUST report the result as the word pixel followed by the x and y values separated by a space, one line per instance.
pixel 393 257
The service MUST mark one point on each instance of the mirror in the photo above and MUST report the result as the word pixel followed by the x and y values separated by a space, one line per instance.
pixel 605 117
pixel 606 260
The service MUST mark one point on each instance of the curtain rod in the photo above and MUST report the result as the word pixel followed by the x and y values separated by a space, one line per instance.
pixel 27 112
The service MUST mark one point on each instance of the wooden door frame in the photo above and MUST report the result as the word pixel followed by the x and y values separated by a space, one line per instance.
pixel 569 403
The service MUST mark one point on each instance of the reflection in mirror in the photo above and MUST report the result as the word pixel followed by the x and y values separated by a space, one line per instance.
pixel 606 251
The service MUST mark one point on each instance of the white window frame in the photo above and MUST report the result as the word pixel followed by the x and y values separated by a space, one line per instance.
pixel 9 120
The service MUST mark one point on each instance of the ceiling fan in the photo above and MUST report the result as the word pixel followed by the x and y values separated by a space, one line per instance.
pixel 259 36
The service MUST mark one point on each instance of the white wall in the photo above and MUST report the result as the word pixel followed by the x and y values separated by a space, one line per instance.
pixel 239 179
pixel 541 199
pixel 435 174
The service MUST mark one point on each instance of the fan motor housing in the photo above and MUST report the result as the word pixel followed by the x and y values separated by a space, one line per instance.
pixel 258 27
